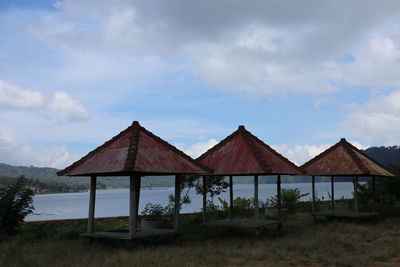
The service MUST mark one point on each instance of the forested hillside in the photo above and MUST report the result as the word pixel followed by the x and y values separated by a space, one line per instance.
pixel 385 155
pixel 48 181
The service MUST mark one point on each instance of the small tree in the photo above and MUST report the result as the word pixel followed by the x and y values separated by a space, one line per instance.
pixel 187 182
pixel 215 185
pixel 15 204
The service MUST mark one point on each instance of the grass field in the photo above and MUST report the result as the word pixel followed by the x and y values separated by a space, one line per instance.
pixel 304 243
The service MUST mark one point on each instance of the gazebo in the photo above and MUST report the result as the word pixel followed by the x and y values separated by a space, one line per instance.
pixel 243 154
pixel 344 159
pixel 135 152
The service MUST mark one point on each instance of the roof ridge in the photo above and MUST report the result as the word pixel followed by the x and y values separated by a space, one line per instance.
pixel 247 137
pixel 133 146
pixel 221 143
pixel 322 154
pixel 275 152
pixel 175 149
pixel 93 152
pixel 353 155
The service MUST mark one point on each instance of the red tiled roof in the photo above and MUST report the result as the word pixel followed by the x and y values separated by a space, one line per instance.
pixel 242 153
pixel 135 150
pixel 344 159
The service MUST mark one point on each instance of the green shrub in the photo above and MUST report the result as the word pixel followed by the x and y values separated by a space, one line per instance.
pixel 15 204
pixel 387 189
pixel 241 206
pixel 157 210
pixel 289 197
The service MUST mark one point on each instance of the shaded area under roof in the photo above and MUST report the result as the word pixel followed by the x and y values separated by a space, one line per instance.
pixel 242 153
pixel 344 159
pixel 135 150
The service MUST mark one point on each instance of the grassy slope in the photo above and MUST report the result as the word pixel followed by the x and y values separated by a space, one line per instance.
pixel 303 243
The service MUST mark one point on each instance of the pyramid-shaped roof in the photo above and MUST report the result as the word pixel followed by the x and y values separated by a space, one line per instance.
pixel 242 153
pixel 344 159
pixel 135 150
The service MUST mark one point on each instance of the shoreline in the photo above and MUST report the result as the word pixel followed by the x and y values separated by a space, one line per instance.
pixel 165 187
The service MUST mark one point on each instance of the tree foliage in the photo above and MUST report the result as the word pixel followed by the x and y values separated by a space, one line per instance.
pixel 387 189
pixel 15 204
pixel 215 185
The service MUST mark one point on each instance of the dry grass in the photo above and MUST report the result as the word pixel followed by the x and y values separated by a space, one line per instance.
pixel 304 243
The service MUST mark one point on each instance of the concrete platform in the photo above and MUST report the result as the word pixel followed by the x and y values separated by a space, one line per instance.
pixel 241 223
pixel 124 234
pixel 346 214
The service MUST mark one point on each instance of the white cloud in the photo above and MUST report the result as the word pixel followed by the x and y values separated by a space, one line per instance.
pixel 375 64
pixel 68 107
pixel 14 97
pixel 299 154
pixel 377 120
pixel 13 150
pixel 195 150
pixel 258 48
pixel 62 104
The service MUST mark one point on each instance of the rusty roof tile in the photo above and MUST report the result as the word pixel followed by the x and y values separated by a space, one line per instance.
pixel 135 150
pixel 344 159
pixel 242 153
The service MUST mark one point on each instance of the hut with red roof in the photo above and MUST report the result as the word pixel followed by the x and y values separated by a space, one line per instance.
pixel 135 152
pixel 344 159
pixel 243 154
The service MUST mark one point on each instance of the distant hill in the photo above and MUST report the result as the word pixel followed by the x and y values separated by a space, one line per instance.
pixel 34 172
pixel 384 155
pixel 49 181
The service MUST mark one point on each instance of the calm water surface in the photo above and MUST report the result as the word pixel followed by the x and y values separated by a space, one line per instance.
pixel 116 202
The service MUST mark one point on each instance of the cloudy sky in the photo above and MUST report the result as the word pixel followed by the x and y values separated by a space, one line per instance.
pixel 298 74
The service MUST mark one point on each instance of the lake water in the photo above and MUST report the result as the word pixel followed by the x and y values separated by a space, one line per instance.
pixel 111 203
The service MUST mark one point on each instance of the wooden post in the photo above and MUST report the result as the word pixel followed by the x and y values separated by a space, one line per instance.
pixel 204 200
pixel 138 192
pixel 231 197
pixel 134 188
pixel 92 202
pixel 177 206
pixel 313 195
pixel 373 194
pixel 355 183
pixel 256 209
pixel 333 193
pixel 278 188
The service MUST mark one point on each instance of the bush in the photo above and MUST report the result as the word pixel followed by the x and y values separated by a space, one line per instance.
pixel 241 206
pixel 157 210
pixel 289 197
pixel 15 204
pixel 387 189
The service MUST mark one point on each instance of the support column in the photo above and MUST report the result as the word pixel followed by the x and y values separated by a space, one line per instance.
pixel 333 193
pixel 278 188
pixel 256 209
pixel 231 197
pixel 134 189
pixel 355 183
pixel 92 203
pixel 313 196
pixel 373 194
pixel 204 200
pixel 138 192
pixel 177 206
